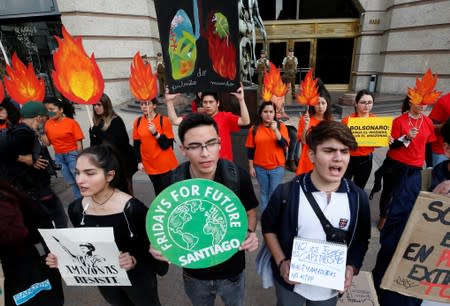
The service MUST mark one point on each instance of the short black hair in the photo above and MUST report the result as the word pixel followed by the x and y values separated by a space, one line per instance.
pixel 364 92
pixel 445 131
pixel 330 130
pixel 194 120
pixel 214 94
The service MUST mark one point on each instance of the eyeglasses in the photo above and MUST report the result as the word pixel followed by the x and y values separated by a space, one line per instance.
pixel 211 147
pixel 365 102
pixel 145 103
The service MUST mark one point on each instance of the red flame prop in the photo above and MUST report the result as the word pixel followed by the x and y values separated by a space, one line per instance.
pixel 76 76
pixel 142 80
pixel 309 93
pixel 21 82
pixel 424 92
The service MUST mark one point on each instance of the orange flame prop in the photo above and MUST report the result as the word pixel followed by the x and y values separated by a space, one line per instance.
pixel 76 76
pixel 21 82
pixel 2 92
pixel 142 80
pixel 273 85
pixel 309 94
pixel 424 92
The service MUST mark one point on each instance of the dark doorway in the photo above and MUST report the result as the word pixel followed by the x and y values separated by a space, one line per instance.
pixel 302 52
pixel 277 51
pixel 334 60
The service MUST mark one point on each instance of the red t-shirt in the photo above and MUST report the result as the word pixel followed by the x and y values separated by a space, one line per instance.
pixel 304 163
pixel 360 151
pixel 3 126
pixel 63 134
pixel 155 159
pixel 268 153
pixel 440 114
pixel 414 154
pixel 227 123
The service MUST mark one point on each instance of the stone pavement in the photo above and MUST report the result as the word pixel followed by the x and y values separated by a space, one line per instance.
pixel 171 286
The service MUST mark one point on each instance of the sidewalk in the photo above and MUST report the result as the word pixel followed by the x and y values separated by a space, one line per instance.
pixel 171 286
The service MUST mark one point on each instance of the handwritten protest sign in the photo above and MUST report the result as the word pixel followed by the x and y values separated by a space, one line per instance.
pixel 372 131
pixel 86 256
pixel 421 263
pixel 318 263
pixel 361 293
pixel 200 44
pixel 197 223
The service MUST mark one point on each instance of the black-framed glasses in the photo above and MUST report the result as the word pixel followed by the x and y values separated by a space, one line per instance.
pixel 365 102
pixel 211 147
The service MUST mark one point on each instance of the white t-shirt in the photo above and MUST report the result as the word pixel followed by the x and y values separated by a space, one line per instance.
pixel 337 211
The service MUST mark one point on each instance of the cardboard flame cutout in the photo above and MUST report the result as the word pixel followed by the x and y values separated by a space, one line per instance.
pixel 142 80
pixel 21 82
pixel 273 85
pixel 2 92
pixel 424 92
pixel 76 76
pixel 309 93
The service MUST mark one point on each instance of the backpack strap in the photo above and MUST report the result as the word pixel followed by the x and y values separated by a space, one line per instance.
pixel 138 121
pixel 230 175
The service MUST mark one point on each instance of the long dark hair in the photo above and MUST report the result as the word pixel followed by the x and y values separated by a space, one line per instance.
pixel 105 157
pixel 323 92
pixel 66 106
pixel 260 110
pixel 406 106
pixel 108 113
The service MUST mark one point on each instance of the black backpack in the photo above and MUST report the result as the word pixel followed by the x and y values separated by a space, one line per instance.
pixel 229 173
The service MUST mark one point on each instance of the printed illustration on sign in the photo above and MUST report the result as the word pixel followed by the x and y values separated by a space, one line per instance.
pixel 86 256
pixel 197 223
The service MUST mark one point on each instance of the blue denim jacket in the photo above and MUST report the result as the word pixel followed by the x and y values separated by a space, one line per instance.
pixel 282 219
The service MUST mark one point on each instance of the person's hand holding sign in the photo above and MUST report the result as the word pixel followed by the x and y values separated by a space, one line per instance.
pixel 251 243
pixel 157 254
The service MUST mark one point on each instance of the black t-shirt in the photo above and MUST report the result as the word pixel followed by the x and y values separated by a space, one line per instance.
pixel 235 264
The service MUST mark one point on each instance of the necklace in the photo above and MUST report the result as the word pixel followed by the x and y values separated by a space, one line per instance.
pixel 107 199
pixel 418 124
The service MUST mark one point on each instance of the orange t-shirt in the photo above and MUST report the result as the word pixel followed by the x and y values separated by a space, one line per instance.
pixel 3 126
pixel 268 153
pixel 360 151
pixel 304 163
pixel 155 159
pixel 63 134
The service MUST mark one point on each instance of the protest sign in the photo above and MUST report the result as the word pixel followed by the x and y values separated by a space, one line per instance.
pixel 318 263
pixel 371 131
pixel 200 44
pixel 421 263
pixel 361 293
pixel 87 256
pixel 197 223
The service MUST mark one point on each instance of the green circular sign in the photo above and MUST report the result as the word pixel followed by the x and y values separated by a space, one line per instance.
pixel 196 223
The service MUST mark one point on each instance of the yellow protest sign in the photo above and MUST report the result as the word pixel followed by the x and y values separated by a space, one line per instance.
pixel 371 131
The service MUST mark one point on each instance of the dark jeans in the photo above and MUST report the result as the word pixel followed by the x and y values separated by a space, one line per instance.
pixel 157 181
pixel 287 298
pixel 143 292
pixel 359 170
pixel 204 292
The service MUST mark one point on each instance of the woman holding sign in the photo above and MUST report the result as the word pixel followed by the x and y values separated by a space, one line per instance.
pixel 104 205
pixel 360 165
pixel 266 143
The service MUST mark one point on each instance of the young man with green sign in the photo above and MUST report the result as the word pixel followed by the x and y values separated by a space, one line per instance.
pixel 294 211
pixel 200 143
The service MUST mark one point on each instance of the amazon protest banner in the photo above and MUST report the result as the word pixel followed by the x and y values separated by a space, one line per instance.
pixel 361 293
pixel 421 263
pixel 197 223
pixel 200 44
pixel 87 256
pixel 371 131
pixel 318 263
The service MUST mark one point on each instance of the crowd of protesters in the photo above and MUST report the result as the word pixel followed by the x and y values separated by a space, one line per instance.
pixel 332 172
